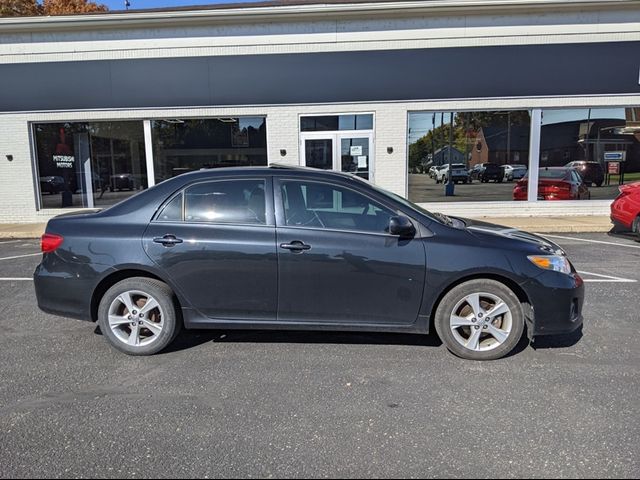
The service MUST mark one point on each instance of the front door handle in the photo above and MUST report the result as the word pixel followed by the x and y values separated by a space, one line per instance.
pixel 296 246
pixel 168 240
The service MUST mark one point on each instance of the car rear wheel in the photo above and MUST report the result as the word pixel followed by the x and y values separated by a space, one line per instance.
pixel 480 320
pixel 138 316
pixel 636 227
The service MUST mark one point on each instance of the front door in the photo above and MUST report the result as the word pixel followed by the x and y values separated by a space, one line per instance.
pixel 337 264
pixel 350 152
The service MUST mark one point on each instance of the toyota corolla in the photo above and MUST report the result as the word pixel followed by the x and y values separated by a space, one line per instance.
pixel 301 249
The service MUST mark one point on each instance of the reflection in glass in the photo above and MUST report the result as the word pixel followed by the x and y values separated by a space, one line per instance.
pixel 354 153
pixel 481 152
pixel 181 146
pixel 319 153
pixel 334 123
pixel 601 144
pixel 235 201
pixel 93 164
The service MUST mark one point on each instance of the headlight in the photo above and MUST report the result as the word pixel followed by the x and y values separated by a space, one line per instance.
pixel 556 263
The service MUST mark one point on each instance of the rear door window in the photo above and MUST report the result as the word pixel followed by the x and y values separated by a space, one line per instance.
pixel 226 201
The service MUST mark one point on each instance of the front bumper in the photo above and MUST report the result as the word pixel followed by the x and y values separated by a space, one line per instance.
pixel 557 301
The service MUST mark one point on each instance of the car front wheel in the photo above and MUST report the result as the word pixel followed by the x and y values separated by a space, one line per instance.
pixel 480 320
pixel 138 316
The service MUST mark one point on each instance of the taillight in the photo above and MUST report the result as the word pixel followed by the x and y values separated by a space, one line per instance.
pixel 50 242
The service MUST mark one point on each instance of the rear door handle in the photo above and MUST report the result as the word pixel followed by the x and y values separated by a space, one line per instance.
pixel 168 240
pixel 295 246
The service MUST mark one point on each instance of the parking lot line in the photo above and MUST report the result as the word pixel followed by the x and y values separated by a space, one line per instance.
pixel 606 278
pixel 592 241
pixel 10 241
pixel 9 279
pixel 21 256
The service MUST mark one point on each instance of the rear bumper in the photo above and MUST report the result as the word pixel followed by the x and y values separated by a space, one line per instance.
pixel 557 301
pixel 65 289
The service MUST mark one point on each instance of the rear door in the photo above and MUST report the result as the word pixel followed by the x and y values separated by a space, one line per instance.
pixel 216 241
pixel 337 263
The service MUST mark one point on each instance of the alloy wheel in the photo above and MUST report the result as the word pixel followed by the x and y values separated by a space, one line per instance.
pixel 481 322
pixel 136 318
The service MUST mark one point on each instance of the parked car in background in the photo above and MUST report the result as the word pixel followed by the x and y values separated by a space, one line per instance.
pixel 235 248
pixel 123 181
pixel 459 173
pixel 52 184
pixel 591 172
pixel 554 183
pixel 625 209
pixel 485 172
pixel 513 172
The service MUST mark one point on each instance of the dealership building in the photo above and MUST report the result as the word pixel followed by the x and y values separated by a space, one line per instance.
pixel 94 108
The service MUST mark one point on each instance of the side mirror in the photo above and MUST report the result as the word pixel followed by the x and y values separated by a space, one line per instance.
pixel 402 227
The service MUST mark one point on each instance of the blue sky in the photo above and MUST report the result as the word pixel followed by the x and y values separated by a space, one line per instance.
pixel 138 4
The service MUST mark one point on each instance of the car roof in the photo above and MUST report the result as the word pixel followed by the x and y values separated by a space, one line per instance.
pixel 273 168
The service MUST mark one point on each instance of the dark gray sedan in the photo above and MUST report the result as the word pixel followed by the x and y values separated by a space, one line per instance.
pixel 295 248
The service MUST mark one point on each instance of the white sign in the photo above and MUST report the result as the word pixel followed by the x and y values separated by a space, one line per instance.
pixel 356 151
pixel 362 161
pixel 615 156
pixel 64 161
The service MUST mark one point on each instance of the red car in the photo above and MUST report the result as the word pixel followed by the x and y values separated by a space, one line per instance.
pixel 555 183
pixel 625 210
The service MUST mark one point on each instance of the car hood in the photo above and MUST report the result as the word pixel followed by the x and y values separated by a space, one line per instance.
pixel 490 229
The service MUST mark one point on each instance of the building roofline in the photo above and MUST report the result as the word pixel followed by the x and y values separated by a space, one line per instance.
pixel 288 10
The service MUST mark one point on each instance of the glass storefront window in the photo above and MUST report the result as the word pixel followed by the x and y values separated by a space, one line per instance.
pixel 94 164
pixel 484 154
pixel 332 123
pixel 601 144
pixel 181 146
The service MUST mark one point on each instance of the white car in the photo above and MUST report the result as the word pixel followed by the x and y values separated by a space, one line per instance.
pixel 514 172
pixel 459 173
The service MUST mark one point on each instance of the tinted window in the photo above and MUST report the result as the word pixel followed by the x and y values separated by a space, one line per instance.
pixel 232 201
pixel 172 212
pixel 555 173
pixel 331 123
pixel 320 205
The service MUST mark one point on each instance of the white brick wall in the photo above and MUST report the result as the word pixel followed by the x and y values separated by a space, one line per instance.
pixel 17 197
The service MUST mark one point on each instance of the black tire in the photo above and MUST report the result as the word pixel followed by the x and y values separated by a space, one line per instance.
pixel 635 227
pixel 172 321
pixel 456 295
pixel 599 184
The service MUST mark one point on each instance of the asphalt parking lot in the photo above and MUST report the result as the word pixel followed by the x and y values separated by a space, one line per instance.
pixel 422 188
pixel 286 404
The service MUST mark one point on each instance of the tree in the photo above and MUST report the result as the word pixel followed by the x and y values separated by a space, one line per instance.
pixel 70 7
pixel 25 8
pixel 19 8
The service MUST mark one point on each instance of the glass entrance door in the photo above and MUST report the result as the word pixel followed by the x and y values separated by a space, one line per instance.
pixel 319 153
pixel 349 152
pixel 355 155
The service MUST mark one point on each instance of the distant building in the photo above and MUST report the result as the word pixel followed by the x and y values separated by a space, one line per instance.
pixel 501 145
pixel 442 156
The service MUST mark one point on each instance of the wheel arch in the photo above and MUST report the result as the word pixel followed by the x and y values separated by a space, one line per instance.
pixel 505 280
pixel 122 274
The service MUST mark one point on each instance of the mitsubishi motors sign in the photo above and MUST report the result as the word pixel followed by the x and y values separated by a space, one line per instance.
pixel 64 161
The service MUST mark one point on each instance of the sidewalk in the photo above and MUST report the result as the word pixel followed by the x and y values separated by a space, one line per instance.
pixel 567 224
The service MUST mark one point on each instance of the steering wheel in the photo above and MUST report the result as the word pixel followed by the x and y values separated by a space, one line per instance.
pixel 306 220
